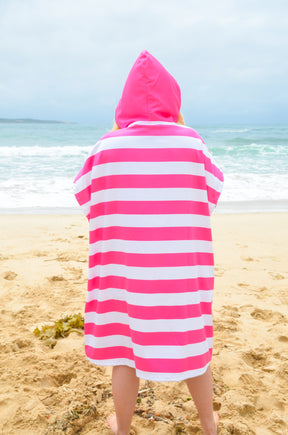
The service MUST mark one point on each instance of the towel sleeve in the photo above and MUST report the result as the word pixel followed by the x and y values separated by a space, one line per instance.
pixel 82 186
pixel 83 181
pixel 214 179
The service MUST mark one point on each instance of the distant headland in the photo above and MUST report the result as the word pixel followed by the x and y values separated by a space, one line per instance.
pixel 32 121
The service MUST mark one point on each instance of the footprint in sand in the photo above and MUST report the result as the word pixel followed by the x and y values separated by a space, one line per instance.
pixel 256 357
pixel 282 371
pixel 254 382
pixel 268 315
pixel 243 284
pixel 241 246
pixel 10 275
pixel 249 259
pixel 246 409
pixel 261 314
pixel 283 297
pixel 64 378
pixel 60 239
pixel 230 310
pixel 63 257
pixel 69 257
pixel 16 345
pixel 76 272
pixel 219 271
pixel 227 320
pixel 237 429
pixel 229 325
pixel 278 424
pixel 56 278
pixel 39 253
pixel 276 276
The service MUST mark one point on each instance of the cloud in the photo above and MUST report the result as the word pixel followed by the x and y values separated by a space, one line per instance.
pixel 69 59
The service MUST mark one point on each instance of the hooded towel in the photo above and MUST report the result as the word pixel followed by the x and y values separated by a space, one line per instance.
pixel 148 191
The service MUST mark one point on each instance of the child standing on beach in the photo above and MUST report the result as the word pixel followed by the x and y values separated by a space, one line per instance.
pixel 148 190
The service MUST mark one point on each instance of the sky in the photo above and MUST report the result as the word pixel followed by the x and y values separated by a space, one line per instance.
pixel 69 59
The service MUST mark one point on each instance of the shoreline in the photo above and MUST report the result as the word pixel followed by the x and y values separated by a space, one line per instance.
pixel 223 207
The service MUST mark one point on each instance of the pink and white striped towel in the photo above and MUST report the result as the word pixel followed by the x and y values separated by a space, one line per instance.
pixel 148 191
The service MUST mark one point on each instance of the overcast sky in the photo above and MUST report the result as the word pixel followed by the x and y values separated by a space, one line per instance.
pixel 68 59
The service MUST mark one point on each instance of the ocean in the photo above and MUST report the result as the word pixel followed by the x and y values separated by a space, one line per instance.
pixel 40 160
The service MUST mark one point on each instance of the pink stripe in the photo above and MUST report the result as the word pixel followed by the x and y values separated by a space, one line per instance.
pixel 154 130
pixel 152 260
pixel 173 365
pixel 150 155
pixel 108 329
pixel 149 313
pixel 151 286
pixel 171 338
pixel 210 167
pixel 84 196
pixel 148 181
pixel 109 352
pixel 150 338
pixel 151 365
pixel 86 168
pixel 213 195
pixel 151 233
pixel 150 207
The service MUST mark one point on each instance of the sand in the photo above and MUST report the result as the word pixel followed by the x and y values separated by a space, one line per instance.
pixel 47 390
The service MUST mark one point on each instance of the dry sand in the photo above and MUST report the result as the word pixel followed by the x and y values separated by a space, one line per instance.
pixel 44 391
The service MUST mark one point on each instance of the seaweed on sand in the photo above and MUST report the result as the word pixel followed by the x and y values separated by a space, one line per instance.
pixel 72 421
pixel 60 329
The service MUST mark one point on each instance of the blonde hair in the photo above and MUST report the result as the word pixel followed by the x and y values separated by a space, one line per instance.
pixel 180 119
pixel 115 127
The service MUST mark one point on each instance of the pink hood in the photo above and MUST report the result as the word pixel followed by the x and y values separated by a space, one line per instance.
pixel 150 94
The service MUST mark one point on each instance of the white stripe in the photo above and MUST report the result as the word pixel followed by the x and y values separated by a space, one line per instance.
pixel 159 325
pixel 167 377
pixel 159 123
pixel 211 207
pixel 159 351
pixel 138 168
pixel 156 123
pixel 148 142
pixel 82 182
pixel 113 362
pixel 149 194
pixel 151 273
pixel 173 352
pixel 103 319
pixel 147 168
pixel 151 300
pixel 149 247
pixel 213 181
pixel 150 220
pixel 108 341
pixel 164 377
pixel 169 325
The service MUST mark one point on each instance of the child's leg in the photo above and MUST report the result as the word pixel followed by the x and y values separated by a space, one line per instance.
pixel 125 385
pixel 201 390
